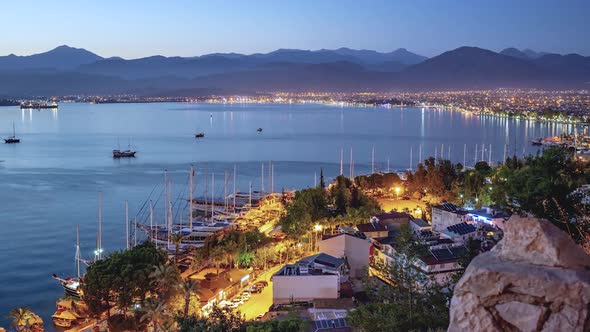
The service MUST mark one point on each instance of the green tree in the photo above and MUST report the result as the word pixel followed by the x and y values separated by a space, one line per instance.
pixel 121 278
pixel 245 259
pixel 164 278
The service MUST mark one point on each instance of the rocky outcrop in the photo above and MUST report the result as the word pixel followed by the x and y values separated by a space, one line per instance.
pixel 535 279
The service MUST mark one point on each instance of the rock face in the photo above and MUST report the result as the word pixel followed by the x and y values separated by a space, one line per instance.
pixel 535 279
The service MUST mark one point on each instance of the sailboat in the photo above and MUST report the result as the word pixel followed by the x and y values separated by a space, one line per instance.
pixel 71 285
pixel 118 153
pixel 12 139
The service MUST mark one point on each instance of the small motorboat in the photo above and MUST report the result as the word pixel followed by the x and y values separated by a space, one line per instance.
pixel 538 141
pixel 259 130
pixel 200 135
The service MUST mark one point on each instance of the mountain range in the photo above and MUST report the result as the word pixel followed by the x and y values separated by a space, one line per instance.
pixel 66 70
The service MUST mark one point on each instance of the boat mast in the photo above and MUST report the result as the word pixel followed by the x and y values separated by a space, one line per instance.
pixel 225 200
pixel 190 217
pixel 483 148
pixel 151 218
pixel 78 250
pixel 464 154
pixel 262 179
pixel 411 156
pixel 351 172
pixel 373 160
pixel 13 130
pixel 99 233
pixel 341 156
pixel 490 155
pixel 126 224
pixel 212 195
pixel 475 158
pixel 234 188
pixel 250 195
pixel 135 232
pixel 272 177
pixel 420 159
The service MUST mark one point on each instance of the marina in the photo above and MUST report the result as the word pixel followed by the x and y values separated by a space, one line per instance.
pixel 65 159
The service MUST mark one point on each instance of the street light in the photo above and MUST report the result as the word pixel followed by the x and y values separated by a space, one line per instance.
pixel 397 192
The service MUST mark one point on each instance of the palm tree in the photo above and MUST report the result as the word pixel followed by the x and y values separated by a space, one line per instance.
pixel 20 318
pixel 187 288
pixel 217 256
pixel 164 276
pixel 177 240
pixel 197 260
pixel 154 312
pixel 232 250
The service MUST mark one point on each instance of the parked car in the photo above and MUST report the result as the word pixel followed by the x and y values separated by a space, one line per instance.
pixel 259 317
pixel 263 283
pixel 255 290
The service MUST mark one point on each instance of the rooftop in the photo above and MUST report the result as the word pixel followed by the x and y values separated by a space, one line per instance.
pixel 445 255
pixel 449 207
pixel 420 222
pixel 320 264
pixel 371 227
pixel 462 228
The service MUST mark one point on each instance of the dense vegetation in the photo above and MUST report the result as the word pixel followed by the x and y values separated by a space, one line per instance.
pixel 342 204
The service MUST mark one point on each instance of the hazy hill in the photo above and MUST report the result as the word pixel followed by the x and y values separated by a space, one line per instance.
pixel 61 58
pixel 67 70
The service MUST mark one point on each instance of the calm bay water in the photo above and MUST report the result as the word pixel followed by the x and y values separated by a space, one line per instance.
pixel 50 181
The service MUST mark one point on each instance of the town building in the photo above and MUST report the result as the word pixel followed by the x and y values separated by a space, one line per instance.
pixel 418 225
pixel 313 277
pixel 373 229
pixel 460 233
pixel 355 247
pixel 439 265
pixel 393 220
pixel 447 214
pixel 215 288
pixel 490 216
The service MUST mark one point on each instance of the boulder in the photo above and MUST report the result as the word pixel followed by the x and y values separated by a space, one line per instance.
pixel 535 279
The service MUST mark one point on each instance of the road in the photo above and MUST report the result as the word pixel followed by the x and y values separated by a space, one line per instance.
pixel 261 302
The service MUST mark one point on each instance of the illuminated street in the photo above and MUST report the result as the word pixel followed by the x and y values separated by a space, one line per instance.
pixel 259 303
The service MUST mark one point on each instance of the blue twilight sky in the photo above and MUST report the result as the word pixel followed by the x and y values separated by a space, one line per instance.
pixel 183 27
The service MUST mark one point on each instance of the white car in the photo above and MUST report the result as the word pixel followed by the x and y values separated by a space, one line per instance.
pixel 245 296
pixel 237 301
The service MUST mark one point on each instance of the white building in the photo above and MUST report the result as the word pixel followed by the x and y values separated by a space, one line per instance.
pixel 314 277
pixel 489 216
pixel 355 247
pixel 446 215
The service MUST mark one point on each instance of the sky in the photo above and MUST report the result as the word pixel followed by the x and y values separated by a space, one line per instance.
pixel 133 29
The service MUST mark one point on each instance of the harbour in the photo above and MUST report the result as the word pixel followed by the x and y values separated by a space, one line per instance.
pixel 65 160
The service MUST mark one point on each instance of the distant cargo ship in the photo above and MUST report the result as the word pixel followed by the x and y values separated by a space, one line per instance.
pixel 38 106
